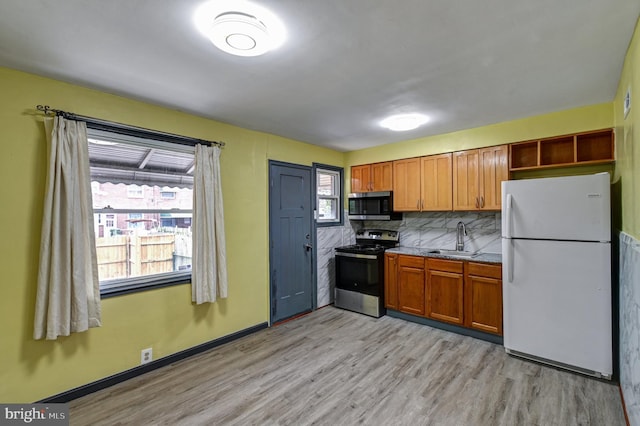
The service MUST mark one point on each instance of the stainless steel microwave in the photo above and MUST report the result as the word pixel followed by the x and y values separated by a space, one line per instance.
pixel 372 206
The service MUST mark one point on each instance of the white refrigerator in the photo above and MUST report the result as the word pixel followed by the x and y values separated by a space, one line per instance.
pixel 556 248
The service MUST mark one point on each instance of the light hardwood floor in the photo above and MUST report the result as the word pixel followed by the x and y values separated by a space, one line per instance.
pixel 334 367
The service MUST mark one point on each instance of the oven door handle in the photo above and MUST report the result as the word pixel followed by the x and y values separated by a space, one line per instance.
pixel 357 255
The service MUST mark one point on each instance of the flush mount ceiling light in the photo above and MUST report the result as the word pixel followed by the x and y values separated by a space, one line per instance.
pixel 404 122
pixel 240 28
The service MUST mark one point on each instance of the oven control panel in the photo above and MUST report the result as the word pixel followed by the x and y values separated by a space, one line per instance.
pixel 377 234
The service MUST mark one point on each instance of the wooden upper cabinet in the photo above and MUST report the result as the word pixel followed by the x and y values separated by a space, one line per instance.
pixel 372 177
pixel 422 183
pixel 465 180
pixel 361 178
pixel 382 176
pixel 406 185
pixel 436 183
pixel 494 168
pixel 478 176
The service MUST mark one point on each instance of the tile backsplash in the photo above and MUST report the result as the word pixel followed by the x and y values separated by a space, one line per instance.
pixel 327 239
pixel 629 317
pixel 435 230
pixel 438 230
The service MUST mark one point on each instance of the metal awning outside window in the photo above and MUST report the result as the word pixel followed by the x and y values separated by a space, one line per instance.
pixel 129 160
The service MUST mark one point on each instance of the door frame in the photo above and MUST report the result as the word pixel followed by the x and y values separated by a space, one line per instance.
pixel 314 257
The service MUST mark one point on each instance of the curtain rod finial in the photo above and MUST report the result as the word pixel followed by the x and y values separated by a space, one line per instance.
pixel 46 109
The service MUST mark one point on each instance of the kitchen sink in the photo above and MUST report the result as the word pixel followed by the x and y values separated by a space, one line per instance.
pixel 454 253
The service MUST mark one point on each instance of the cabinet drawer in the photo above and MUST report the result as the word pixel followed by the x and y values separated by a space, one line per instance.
pixel 411 261
pixel 485 270
pixel 445 265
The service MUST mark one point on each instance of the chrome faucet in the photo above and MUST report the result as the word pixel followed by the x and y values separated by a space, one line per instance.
pixel 461 231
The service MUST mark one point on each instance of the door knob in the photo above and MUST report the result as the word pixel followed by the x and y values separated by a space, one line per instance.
pixel 308 246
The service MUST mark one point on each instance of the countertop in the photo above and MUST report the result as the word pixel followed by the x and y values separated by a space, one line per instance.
pixel 424 252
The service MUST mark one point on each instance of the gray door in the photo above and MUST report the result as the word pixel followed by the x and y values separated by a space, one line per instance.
pixel 290 249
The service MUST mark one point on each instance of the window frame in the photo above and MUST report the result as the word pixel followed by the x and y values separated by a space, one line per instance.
pixel 163 195
pixel 339 171
pixel 138 194
pixel 133 136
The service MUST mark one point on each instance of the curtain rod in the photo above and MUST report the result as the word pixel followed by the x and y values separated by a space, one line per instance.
pixel 125 128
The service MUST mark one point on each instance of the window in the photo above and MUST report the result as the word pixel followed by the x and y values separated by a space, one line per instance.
pixel 134 191
pixel 328 195
pixel 142 198
pixel 136 221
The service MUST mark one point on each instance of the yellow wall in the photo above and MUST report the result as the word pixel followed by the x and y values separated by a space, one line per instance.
pixel 591 117
pixel 163 319
pixel 628 139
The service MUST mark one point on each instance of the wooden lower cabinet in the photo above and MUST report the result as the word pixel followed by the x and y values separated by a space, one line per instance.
pixel 391 281
pixel 483 297
pixel 445 290
pixel 464 293
pixel 411 285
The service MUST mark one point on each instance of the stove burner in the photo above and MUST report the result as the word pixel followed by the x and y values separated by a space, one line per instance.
pixel 372 247
pixel 371 242
pixel 362 248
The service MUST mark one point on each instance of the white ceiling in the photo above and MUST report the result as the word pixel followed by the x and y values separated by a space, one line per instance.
pixel 346 63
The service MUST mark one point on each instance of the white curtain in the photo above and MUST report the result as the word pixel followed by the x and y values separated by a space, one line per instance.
pixel 68 297
pixel 209 270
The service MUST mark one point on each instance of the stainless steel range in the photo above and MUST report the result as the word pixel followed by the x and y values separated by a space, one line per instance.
pixel 360 272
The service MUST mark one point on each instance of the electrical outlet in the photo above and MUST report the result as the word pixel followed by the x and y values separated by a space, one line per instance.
pixel 146 355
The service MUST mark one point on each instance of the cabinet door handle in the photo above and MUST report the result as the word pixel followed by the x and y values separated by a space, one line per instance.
pixel 482 201
pixel 421 204
pixel 477 203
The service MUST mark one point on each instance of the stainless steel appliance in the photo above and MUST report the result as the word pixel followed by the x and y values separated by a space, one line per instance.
pixel 360 272
pixel 372 206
